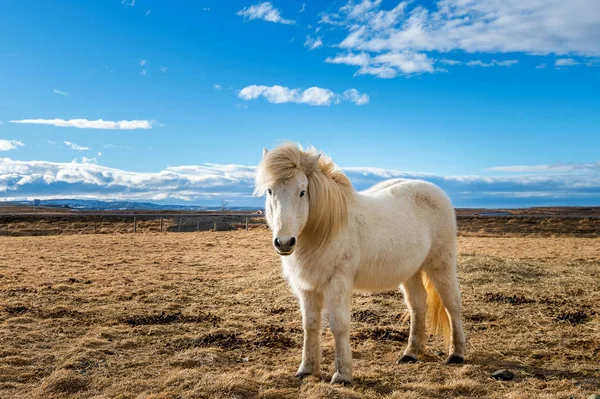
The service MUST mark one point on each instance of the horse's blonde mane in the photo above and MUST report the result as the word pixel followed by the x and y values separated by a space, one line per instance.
pixel 329 190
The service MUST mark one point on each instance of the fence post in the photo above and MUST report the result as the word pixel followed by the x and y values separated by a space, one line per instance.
pixel 179 226
pixel 246 224
pixel 214 225
pixel 161 225
pixel 134 224
pixel 197 224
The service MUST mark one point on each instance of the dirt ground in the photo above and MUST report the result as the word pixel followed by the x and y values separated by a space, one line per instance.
pixel 208 315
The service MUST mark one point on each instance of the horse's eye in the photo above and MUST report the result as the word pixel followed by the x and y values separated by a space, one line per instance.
pixel 302 193
pixel 269 191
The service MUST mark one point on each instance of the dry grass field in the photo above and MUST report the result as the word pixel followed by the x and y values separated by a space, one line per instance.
pixel 110 223
pixel 208 315
pixel 563 226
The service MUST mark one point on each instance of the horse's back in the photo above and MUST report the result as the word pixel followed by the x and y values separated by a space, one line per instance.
pixel 423 192
pixel 420 199
pixel 381 187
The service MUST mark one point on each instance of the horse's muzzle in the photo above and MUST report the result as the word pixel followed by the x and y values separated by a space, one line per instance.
pixel 284 247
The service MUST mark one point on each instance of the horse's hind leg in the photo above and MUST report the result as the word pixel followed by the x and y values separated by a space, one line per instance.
pixel 441 273
pixel 415 297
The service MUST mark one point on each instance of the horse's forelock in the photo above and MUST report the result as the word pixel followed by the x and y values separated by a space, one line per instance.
pixel 282 164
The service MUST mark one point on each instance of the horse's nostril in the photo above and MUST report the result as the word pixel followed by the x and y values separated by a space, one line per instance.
pixel 293 241
pixel 277 243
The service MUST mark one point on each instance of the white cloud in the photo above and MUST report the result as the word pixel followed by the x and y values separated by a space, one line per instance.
pixel 116 146
pixel 86 160
pixel 7 145
pixel 386 65
pixel 62 93
pixel 523 189
pixel 407 62
pixel 507 63
pixel 163 69
pixel 148 12
pixel 143 62
pixel 356 97
pixel 264 11
pixel 303 7
pixel 565 62
pixel 312 43
pixel 217 87
pixel 88 124
pixel 99 154
pixel 316 96
pixel 541 66
pixel 128 3
pixel 83 178
pixel 109 146
pixel 143 72
pixel 241 106
pixel 76 147
pixel 557 167
pixel 530 27
pixel 449 62
pixel 361 59
pixel 205 9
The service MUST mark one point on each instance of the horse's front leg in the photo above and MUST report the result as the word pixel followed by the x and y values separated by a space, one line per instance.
pixel 311 305
pixel 338 298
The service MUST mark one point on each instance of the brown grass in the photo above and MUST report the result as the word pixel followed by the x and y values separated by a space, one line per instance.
pixel 42 225
pixel 469 226
pixel 208 315
pixel 482 226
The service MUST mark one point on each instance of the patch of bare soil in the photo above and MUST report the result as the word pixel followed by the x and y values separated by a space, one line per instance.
pixel 168 318
pixel 208 315
pixel 502 298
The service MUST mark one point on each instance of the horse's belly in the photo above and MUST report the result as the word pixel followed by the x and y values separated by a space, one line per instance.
pixel 384 277
pixel 367 284
pixel 387 269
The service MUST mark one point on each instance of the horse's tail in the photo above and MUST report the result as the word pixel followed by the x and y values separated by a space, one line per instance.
pixel 438 319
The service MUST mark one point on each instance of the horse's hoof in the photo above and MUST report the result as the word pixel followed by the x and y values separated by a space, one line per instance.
pixel 302 375
pixel 454 359
pixel 406 359
pixel 340 379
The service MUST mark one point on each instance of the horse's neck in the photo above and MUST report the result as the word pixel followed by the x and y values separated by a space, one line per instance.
pixel 342 241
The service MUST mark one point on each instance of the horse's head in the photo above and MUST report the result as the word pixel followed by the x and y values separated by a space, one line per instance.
pixel 284 178
pixel 307 197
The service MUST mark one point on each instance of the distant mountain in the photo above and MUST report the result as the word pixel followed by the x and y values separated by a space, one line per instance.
pixel 124 205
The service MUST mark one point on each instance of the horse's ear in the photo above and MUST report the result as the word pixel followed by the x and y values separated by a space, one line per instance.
pixel 312 163
pixel 265 152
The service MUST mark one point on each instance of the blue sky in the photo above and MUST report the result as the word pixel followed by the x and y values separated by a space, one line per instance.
pixel 173 101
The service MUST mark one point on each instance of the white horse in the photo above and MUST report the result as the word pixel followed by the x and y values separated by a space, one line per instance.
pixel 333 240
